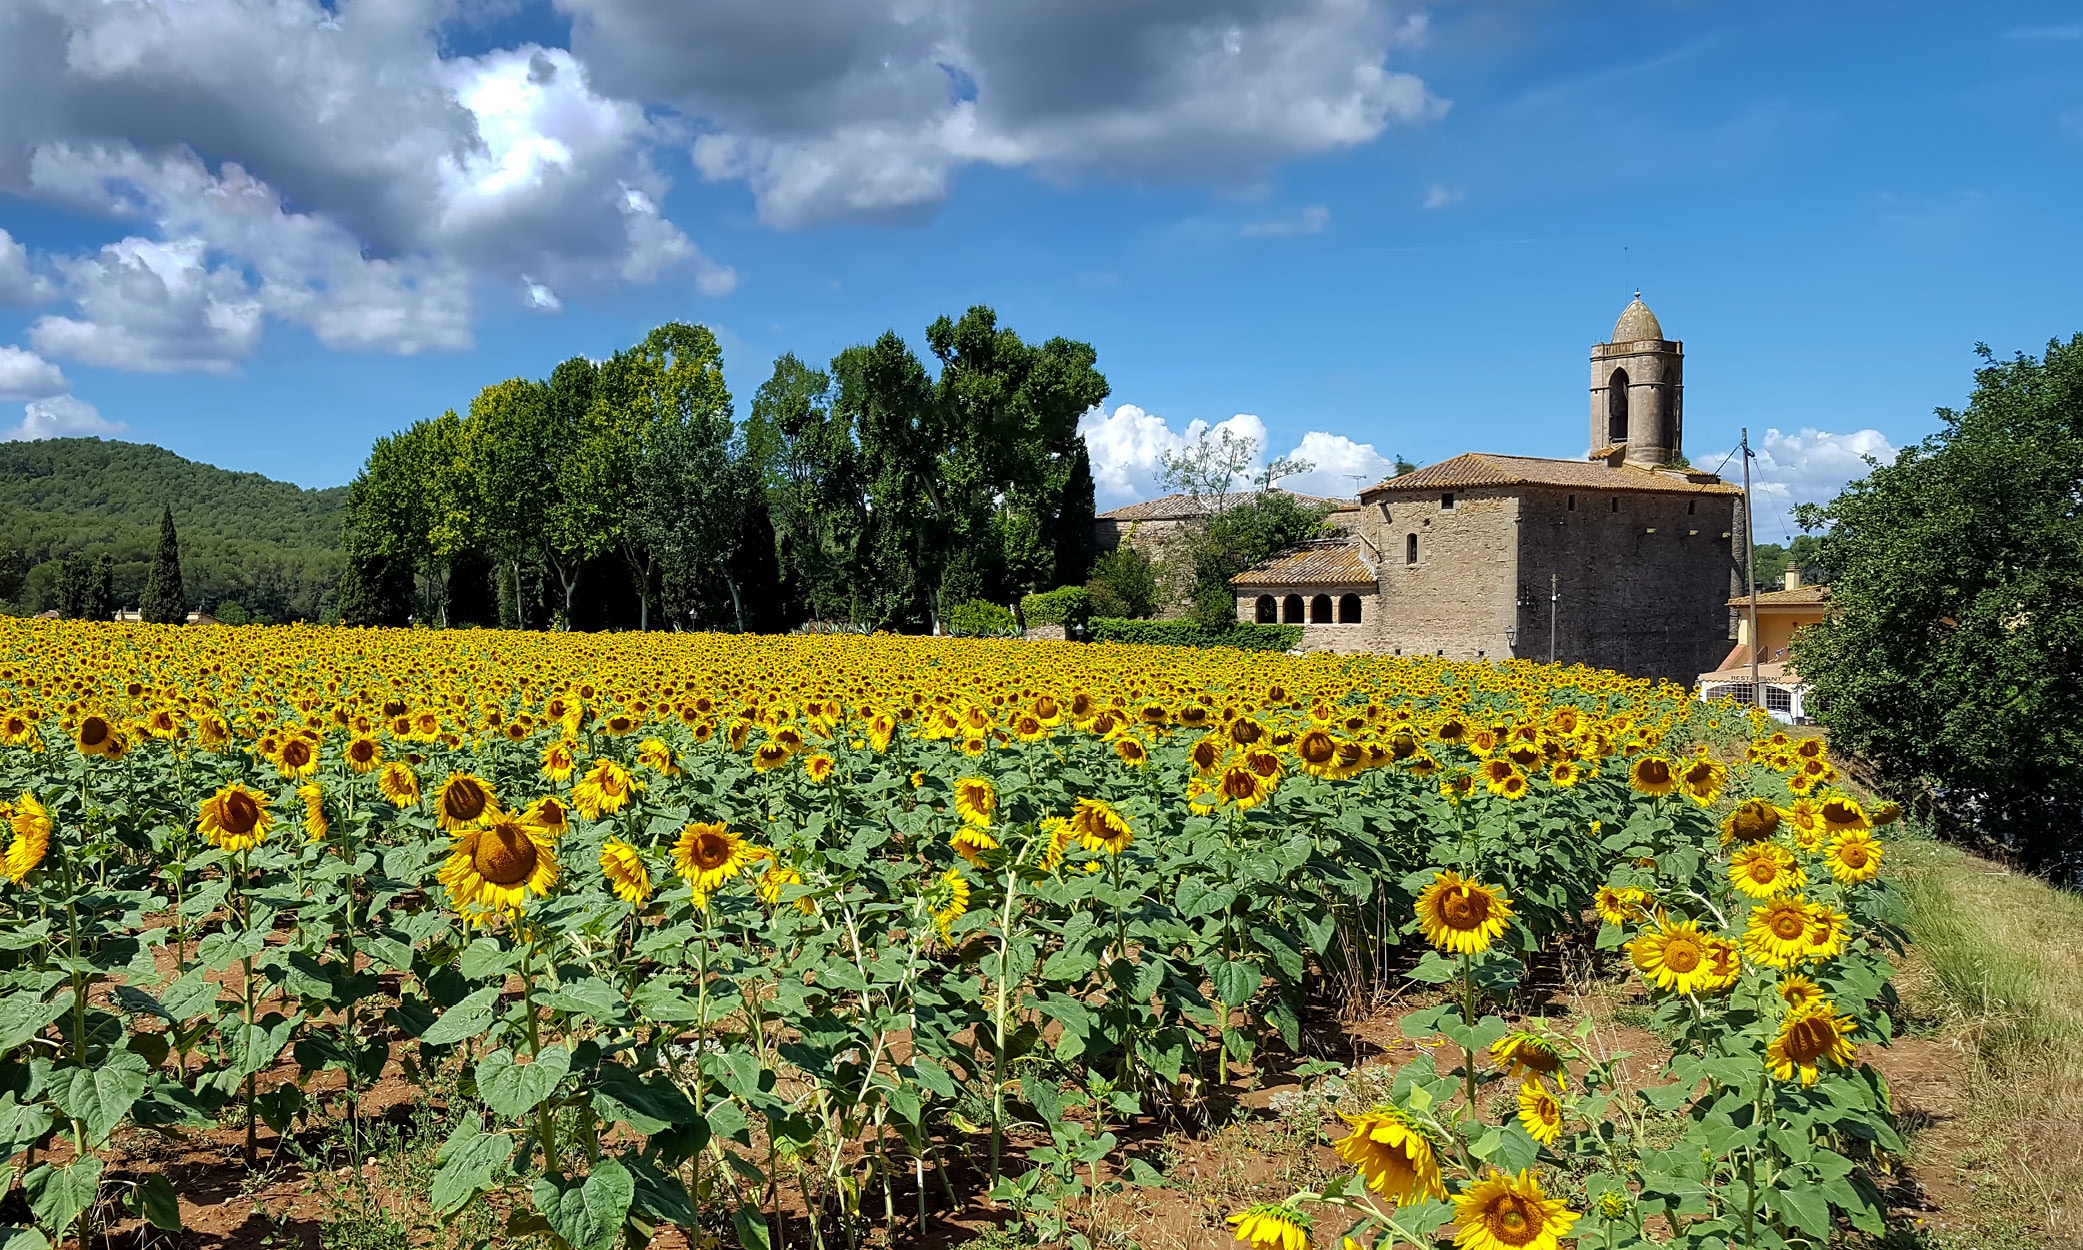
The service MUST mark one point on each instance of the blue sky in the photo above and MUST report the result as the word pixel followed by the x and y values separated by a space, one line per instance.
pixel 1362 225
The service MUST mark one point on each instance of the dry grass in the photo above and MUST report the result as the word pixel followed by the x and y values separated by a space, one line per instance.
pixel 1995 961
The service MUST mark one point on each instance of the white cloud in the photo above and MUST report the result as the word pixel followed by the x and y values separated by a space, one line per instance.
pixel 26 375
pixel 1127 448
pixel 1311 220
pixel 1811 466
pixel 152 307
pixel 540 297
pixel 60 416
pixel 852 108
pixel 19 284
pixel 1438 195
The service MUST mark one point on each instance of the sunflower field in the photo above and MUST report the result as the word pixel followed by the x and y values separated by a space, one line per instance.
pixel 788 941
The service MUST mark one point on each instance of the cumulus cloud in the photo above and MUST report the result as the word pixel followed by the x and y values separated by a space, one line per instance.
pixel 1311 220
pixel 855 108
pixel 1811 466
pixel 26 375
pixel 1127 448
pixel 60 416
pixel 19 284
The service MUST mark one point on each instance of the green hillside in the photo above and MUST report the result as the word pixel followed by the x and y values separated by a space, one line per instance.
pixel 272 547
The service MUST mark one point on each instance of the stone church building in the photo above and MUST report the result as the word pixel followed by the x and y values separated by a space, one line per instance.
pixel 1622 560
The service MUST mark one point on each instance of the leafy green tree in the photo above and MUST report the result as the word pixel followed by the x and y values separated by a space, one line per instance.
pixel 101 592
pixel 885 396
pixel 801 447
pixel 1124 583
pixel 1248 531
pixel 686 473
pixel 1953 658
pixel 163 603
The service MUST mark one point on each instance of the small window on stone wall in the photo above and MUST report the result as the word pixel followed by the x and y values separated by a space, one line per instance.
pixel 1692 507
pixel 1446 502
pixel 1410 549
pixel 1615 501
pixel 1572 503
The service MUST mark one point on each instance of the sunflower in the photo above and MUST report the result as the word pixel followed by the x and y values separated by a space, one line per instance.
pixel 95 736
pixel 1503 1212
pixel 976 801
pixel 297 758
pixel 777 878
pixel 604 790
pixel 707 855
pixel 1461 917
pixel 31 826
pixel 1752 820
pixel 398 783
pixel 1765 869
pixel 1527 1054
pixel 1566 773
pixel 1050 850
pixel 1854 856
pixel 1272 1226
pixel 1131 751
pixel 1806 816
pixel 464 799
pixel 1395 1159
pixel 1317 753
pixel 1702 781
pixel 549 814
pixel 1843 815
pixel 1672 956
pixel 363 754
pixel 654 754
pixel 1796 990
pixel 497 866
pixel 623 866
pixel 1828 931
pixel 1457 785
pixel 559 760
pixel 1540 1112
pixel 235 818
pixel 315 826
pixel 970 842
pixel 953 901
pixel 1206 755
pixel 1777 934
pixel 1812 1034
pixel 1619 904
pixel 1885 814
pixel 1099 827
pixel 1653 776
pixel 770 755
pixel 1242 786
pixel 1512 787
pixel 1724 965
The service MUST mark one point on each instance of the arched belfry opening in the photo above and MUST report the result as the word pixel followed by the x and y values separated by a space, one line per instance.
pixel 1616 407
pixel 1638 390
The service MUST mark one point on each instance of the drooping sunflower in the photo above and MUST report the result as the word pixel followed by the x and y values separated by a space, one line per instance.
pixel 1540 1112
pixel 971 841
pixel 1272 1226
pixel 1842 814
pixel 951 901
pixel 363 754
pixel 235 818
pixel 1854 856
pixel 1812 1035
pixel 1724 965
pixel 976 801
pixel 31 825
pixel 818 767
pixel 1828 932
pixel 1317 753
pixel 604 790
pixel 464 799
pixel 708 855
pixel 1524 1053
pixel 398 783
pixel 1503 1212
pixel 656 755
pixel 1702 781
pixel 1100 827
pixel 1752 820
pixel 1395 1158
pixel 1653 776
pixel 1462 917
pixel 1131 751
pixel 1619 904
pixel 1672 956
pixel 623 866
pixel 1777 934
pixel 315 826
pixel 560 758
pixel 777 878
pixel 549 814
pixel 498 865
pixel 1765 870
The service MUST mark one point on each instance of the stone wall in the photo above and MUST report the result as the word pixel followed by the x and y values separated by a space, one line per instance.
pixel 1644 579
pixel 1457 598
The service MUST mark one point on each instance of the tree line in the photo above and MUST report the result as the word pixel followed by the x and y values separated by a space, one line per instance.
pixel 873 493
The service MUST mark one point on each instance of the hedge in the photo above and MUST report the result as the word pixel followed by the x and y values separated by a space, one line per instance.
pixel 1245 637
pixel 1068 606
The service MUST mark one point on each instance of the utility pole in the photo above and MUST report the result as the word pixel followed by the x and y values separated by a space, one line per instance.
pixel 1750 575
pixel 1554 598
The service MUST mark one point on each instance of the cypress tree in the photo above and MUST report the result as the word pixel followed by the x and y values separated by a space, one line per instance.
pixel 164 603
pixel 101 605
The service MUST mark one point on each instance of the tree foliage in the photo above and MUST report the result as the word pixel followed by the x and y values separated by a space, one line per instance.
pixel 163 602
pixel 1953 660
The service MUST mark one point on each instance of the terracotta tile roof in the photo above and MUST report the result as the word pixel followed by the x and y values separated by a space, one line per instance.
pixel 1481 468
pixel 1799 597
pixel 1324 562
pixel 1183 508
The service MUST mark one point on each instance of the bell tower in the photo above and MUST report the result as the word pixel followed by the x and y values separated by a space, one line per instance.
pixel 1638 390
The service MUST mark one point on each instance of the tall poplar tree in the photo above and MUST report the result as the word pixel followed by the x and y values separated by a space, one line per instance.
pixel 164 602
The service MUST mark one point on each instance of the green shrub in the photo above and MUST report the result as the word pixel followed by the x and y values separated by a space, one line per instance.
pixel 1244 637
pixel 232 612
pixel 1124 583
pixel 980 618
pixel 1068 606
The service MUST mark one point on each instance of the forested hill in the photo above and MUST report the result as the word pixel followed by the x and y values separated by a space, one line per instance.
pixel 271 546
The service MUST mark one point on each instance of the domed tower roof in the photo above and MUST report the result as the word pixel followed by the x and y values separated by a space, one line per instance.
pixel 1636 322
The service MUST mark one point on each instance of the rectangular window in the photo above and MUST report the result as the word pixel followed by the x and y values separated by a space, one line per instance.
pixel 1572 503
pixel 1691 505
pixel 1616 503
pixel 1410 549
pixel 1446 502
